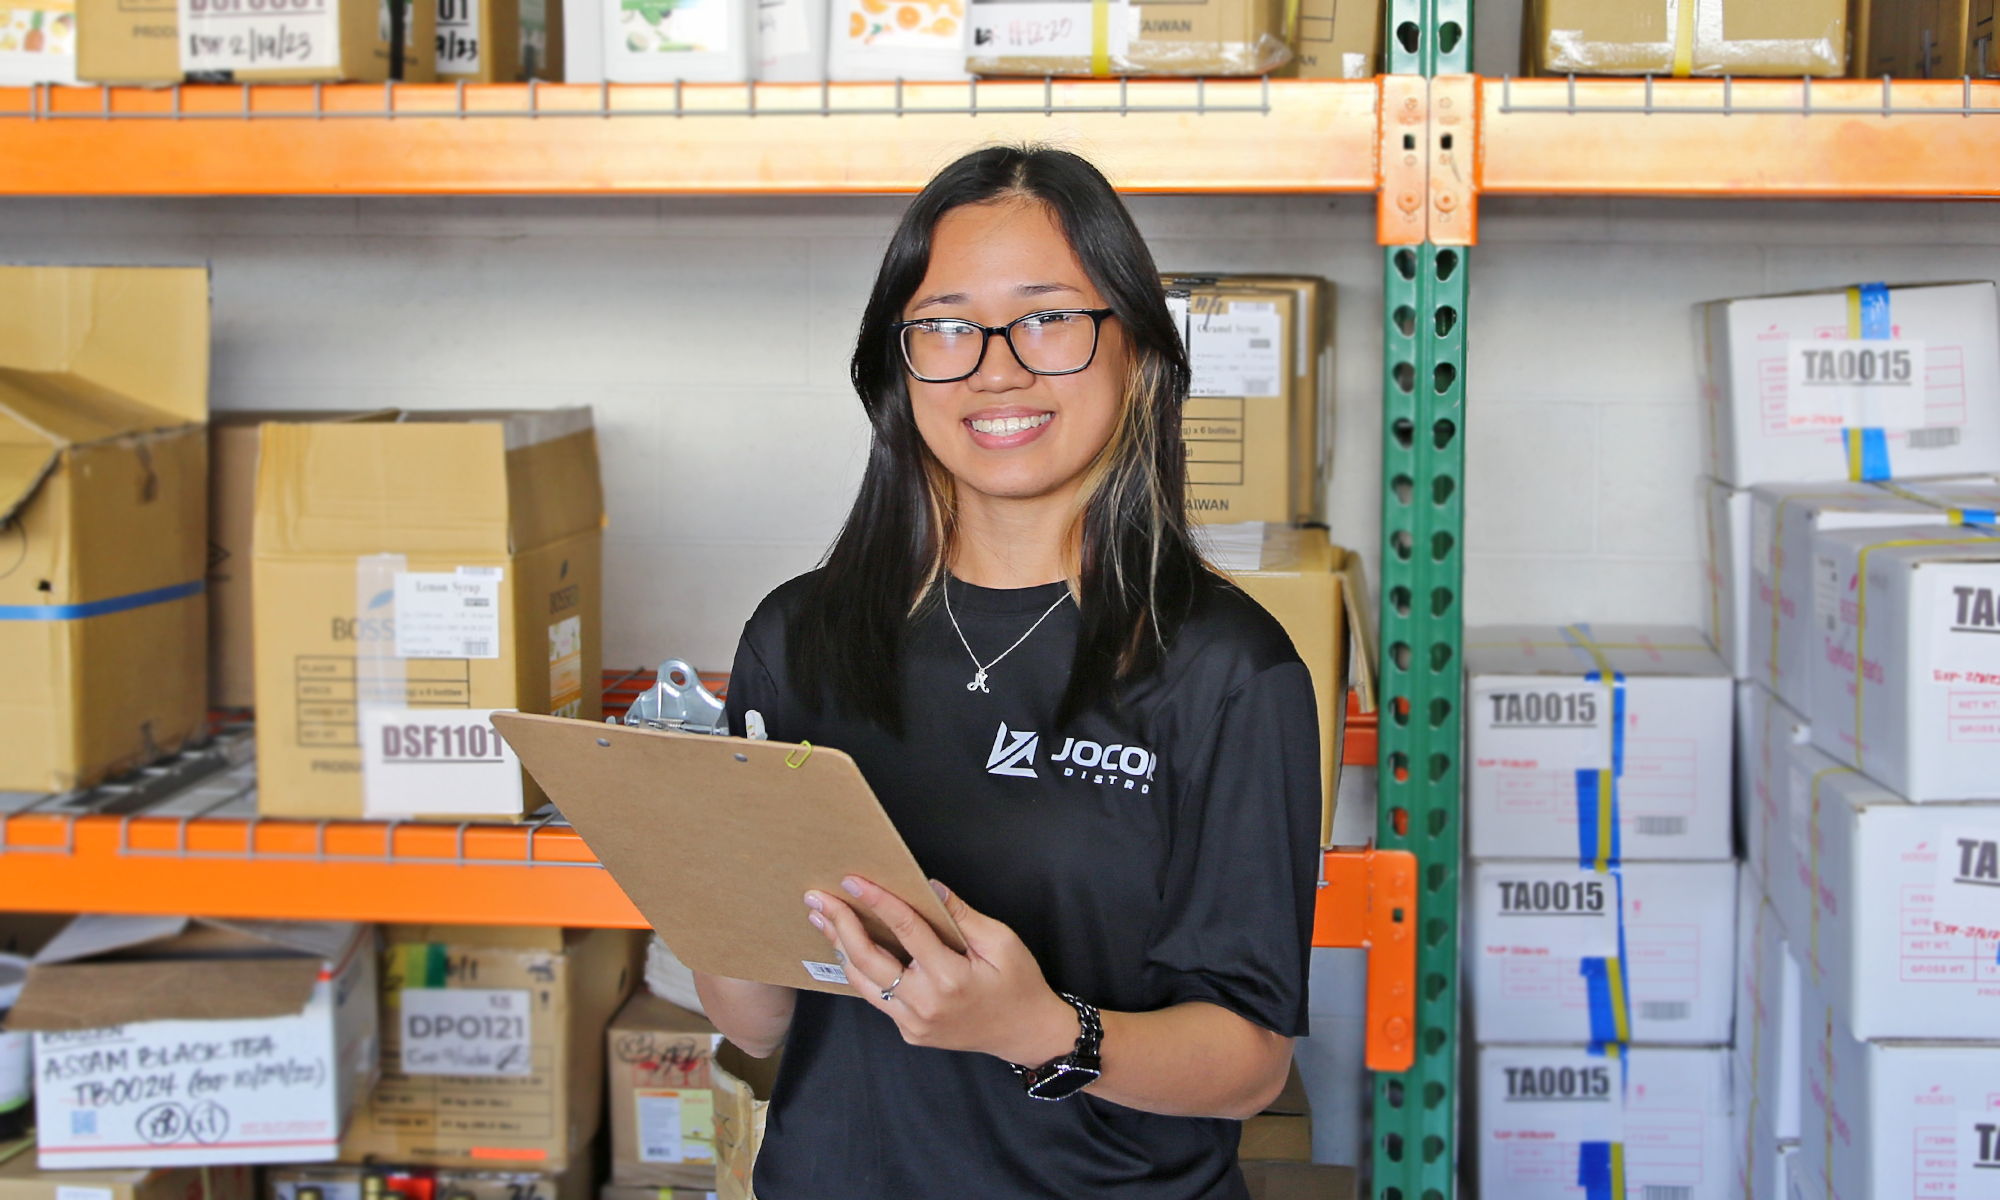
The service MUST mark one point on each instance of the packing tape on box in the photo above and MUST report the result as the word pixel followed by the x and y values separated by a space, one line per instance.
pixel 1957 516
pixel 1606 986
pixel 101 608
pixel 1597 790
pixel 1868 319
pixel 1100 38
pixel 1861 619
pixel 1683 55
pixel 1600 1170
pixel 1756 1019
pixel 1812 872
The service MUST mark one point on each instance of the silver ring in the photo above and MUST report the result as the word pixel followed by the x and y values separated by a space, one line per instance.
pixel 889 993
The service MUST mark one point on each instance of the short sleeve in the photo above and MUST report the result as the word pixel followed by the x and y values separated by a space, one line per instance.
pixel 1236 929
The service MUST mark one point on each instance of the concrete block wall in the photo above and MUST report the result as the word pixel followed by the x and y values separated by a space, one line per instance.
pixel 711 336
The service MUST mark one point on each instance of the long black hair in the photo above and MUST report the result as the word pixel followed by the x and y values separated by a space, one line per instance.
pixel 1133 563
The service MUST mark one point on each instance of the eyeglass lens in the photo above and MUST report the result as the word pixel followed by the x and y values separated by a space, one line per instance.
pixel 1054 343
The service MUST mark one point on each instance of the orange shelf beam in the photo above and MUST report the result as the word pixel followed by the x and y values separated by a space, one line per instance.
pixel 1743 138
pixel 1149 136
pixel 1369 901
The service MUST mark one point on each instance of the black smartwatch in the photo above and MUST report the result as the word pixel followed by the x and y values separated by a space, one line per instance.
pixel 1064 1077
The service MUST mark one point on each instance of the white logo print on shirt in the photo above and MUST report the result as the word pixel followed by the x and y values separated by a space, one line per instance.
pixel 1013 753
pixel 1106 764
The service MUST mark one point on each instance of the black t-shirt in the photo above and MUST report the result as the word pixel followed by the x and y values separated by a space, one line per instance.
pixel 1160 854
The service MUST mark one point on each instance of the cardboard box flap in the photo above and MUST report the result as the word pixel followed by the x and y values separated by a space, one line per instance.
pixel 95 935
pixel 70 410
pixel 522 428
pixel 91 995
pixel 553 491
pixel 141 332
pixel 1567 650
pixel 23 466
pixel 355 489
pixel 324 940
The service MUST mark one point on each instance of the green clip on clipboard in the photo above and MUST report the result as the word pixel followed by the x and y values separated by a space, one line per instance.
pixel 716 840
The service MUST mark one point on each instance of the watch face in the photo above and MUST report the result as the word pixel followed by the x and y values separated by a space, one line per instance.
pixel 1066 1081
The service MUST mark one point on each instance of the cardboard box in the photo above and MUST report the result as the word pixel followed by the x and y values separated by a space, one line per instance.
pixel 531 1098
pixel 1281 1179
pixel 103 512
pixel 20 1179
pixel 1765 1057
pixel 742 1100
pixel 306 41
pixel 662 1109
pixel 1725 560
pixel 1283 1131
pixel 1912 697
pixel 1766 729
pixel 791 41
pixel 1339 39
pixel 1784 519
pixel 1539 929
pixel 702 41
pixel 1926 39
pixel 37 42
pixel 1183 37
pixel 1312 389
pixel 165 1042
pixel 369 536
pixel 1893 914
pixel 1537 720
pixel 499 41
pixel 232 503
pixel 1887 1120
pixel 1716 37
pixel 872 40
pixel 1669 1108
pixel 1308 584
pixel 351 1182
pixel 1238 422
pixel 128 41
pixel 1758 431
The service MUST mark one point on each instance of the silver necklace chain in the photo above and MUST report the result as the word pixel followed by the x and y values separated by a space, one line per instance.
pixel 978 683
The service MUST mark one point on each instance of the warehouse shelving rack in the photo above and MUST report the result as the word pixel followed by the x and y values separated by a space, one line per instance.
pixel 1427 138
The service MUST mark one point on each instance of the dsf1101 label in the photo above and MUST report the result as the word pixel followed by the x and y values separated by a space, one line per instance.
pixel 436 762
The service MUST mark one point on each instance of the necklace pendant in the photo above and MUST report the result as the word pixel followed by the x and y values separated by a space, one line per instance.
pixel 978 683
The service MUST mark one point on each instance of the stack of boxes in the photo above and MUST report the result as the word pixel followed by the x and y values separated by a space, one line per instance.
pixel 1854 603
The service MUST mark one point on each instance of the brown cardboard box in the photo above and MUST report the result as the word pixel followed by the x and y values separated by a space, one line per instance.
pixel 1312 388
pixel 1284 1129
pixel 232 502
pixel 1304 581
pixel 543 1120
pixel 742 1098
pixel 20 1179
pixel 1924 39
pixel 1339 39
pixel 349 1182
pixel 1177 37
pixel 499 41
pixel 348 513
pixel 103 511
pixel 620 1191
pixel 127 41
pixel 662 1109
pixel 1280 1179
pixel 304 41
pixel 1705 37
pixel 1238 422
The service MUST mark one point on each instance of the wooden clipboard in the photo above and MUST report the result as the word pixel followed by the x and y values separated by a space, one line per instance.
pixel 717 839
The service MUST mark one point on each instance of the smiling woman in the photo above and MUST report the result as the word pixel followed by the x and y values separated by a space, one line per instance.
pixel 1017 571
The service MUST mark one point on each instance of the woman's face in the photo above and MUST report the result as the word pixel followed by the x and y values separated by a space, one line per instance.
pixel 1005 431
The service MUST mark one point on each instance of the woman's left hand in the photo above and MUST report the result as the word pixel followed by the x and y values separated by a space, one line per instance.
pixel 992 999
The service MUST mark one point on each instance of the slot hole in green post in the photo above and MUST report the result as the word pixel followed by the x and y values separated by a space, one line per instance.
pixel 1399 599
pixel 1448 35
pixel 1440 601
pixel 1402 543
pixel 1440 656
pixel 1404 487
pixel 1447 264
pixel 1406 263
pixel 1446 317
pixel 1409 36
pixel 1440 766
pixel 1406 320
pixel 1440 712
pixel 1443 376
pixel 1405 376
pixel 1442 431
pixel 1392 1145
pixel 1399 653
pixel 1404 431
pixel 1395 1092
pixel 1441 544
pixel 1433 1091
pixel 1399 710
pixel 1437 820
pixel 1442 488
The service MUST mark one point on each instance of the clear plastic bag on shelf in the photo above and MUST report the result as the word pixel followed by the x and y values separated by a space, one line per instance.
pixel 1115 38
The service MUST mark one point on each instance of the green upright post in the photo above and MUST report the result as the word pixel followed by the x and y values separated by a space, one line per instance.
pixel 1423 535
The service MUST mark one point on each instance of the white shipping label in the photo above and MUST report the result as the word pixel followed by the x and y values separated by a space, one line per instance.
pixel 1978 1154
pixel 1965 624
pixel 16 1070
pixel 1553 725
pixel 825 972
pixel 1057 29
pixel 1827 592
pixel 72 1192
pixel 783 29
pixel 259 35
pixel 455 615
pixel 457 39
pixel 1177 308
pixel 436 762
pixel 1237 353
pixel 676 1126
pixel 1874 383
pixel 466 1031
pixel 1573 1103
pixel 1549 915
pixel 1967 885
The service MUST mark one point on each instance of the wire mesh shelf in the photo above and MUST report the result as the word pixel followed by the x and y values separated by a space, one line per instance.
pixel 1688 97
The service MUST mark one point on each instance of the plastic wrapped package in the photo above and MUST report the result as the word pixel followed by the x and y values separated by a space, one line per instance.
pixel 1688 37
pixel 1114 38
pixel 875 40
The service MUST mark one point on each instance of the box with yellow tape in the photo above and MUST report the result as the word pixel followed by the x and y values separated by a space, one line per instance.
pixel 1106 38
pixel 1686 37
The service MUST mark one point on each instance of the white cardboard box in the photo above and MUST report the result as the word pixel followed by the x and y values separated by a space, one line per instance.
pixel 1880 919
pixel 699 41
pixel 129 1075
pixel 1534 924
pixel 791 40
pixel 1757 432
pixel 1765 728
pixel 1912 698
pixel 583 41
pixel 1895 1120
pixel 869 42
pixel 1668 1106
pixel 1536 721
pixel 1784 518
pixel 1796 1181
pixel 1765 1057
pixel 1725 559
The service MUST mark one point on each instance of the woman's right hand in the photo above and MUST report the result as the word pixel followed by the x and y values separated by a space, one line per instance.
pixel 754 1016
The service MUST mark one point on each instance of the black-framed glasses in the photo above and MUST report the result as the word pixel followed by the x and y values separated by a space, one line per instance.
pixel 1059 341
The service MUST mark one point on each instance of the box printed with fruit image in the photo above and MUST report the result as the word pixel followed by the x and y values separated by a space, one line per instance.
pixel 676 26
pixel 37 41
pixel 915 24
